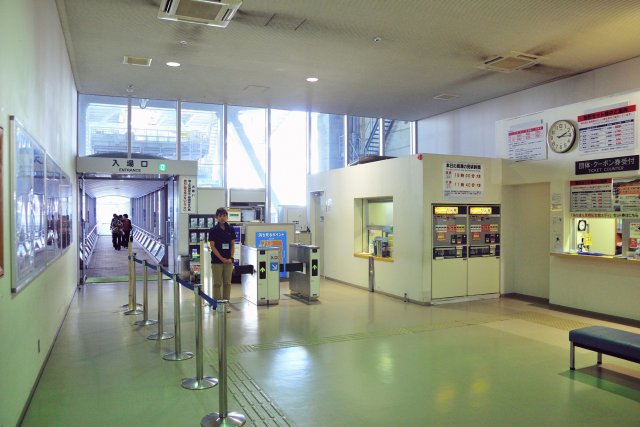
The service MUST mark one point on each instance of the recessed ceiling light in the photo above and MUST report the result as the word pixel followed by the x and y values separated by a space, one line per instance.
pixel 173 64
pixel 312 79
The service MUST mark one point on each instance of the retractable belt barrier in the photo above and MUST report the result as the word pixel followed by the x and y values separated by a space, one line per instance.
pixel 200 382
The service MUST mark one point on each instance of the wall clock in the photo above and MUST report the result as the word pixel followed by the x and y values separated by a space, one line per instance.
pixel 561 136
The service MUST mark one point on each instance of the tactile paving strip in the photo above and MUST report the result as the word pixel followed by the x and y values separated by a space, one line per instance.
pixel 255 404
pixel 261 410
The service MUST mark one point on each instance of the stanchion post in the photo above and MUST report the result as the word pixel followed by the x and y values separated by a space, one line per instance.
pixel 160 335
pixel 223 417
pixel 200 382
pixel 145 296
pixel 133 309
pixel 177 354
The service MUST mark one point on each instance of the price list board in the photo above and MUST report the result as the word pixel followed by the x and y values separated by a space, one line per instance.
pixel 592 195
pixel 527 143
pixel 607 130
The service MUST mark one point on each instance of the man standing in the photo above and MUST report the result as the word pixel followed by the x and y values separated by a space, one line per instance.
pixel 222 243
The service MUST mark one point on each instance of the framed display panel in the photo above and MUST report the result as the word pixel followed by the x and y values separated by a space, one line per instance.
pixel 41 217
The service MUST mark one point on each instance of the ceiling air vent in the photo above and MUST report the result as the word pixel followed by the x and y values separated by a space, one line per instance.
pixel 137 60
pixel 509 63
pixel 206 12
pixel 445 96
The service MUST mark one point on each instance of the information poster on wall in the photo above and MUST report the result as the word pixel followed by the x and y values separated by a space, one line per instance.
pixel 188 194
pixel 634 235
pixel 626 195
pixel 462 181
pixel 274 238
pixel 607 130
pixel 593 195
pixel 527 141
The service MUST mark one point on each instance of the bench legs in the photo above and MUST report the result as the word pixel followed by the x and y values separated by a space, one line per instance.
pixel 572 357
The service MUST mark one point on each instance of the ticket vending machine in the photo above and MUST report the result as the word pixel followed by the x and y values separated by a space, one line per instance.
pixel 449 260
pixel 484 250
pixel 263 286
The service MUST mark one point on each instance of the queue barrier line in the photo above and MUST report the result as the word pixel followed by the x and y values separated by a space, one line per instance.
pixel 132 305
pixel 200 382
pixel 145 297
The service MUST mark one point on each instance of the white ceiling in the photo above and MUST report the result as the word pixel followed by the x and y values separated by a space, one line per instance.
pixel 427 47
pixel 130 188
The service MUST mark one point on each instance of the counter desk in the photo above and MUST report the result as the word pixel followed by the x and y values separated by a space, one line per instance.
pixel 598 283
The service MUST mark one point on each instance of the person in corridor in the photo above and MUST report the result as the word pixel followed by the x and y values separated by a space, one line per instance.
pixel 116 232
pixel 222 243
pixel 126 230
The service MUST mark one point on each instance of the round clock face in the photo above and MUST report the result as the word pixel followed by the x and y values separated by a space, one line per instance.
pixel 561 136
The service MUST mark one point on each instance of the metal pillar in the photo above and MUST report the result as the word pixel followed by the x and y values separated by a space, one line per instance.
pixel 223 418
pixel 133 305
pixel 160 335
pixel 145 297
pixel 177 354
pixel 200 382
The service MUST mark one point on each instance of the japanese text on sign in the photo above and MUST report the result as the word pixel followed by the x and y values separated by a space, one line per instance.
pixel 527 142
pixel 607 130
pixel 129 165
pixel 463 180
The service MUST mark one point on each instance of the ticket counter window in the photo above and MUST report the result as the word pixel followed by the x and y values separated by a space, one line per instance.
pixel 596 236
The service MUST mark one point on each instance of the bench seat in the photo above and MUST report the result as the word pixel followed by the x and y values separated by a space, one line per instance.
pixel 610 341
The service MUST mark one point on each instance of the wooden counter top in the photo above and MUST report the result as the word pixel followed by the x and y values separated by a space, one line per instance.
pixel 377 258
pixel 602 258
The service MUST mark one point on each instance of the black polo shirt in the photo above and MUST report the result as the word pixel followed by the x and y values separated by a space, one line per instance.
pixel 222 239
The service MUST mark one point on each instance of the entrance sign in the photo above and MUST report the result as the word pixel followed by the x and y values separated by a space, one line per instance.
pixel 135 166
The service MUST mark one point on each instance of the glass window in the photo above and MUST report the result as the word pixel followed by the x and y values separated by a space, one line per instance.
pixel 153 128
pixel 288 160
pixel 397 138
pixel 246 147
pixel 327 142
pixel 363 138
pixel 102 125
pixel 201 140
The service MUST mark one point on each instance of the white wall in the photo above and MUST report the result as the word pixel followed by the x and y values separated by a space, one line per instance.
pixel 400 178
pixel 525 239
pixel 37 87
pixel 470 131
pixel 480 130
pixel 414 185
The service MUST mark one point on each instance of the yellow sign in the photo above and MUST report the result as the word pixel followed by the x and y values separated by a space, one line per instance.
pixel 480 210
pixel 445 210
pixel 586 239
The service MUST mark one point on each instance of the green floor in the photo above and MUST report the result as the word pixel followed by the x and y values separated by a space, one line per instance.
pixel 354 359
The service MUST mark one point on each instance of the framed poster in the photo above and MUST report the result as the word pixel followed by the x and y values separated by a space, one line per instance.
pixel 28 215
pixel 41 218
